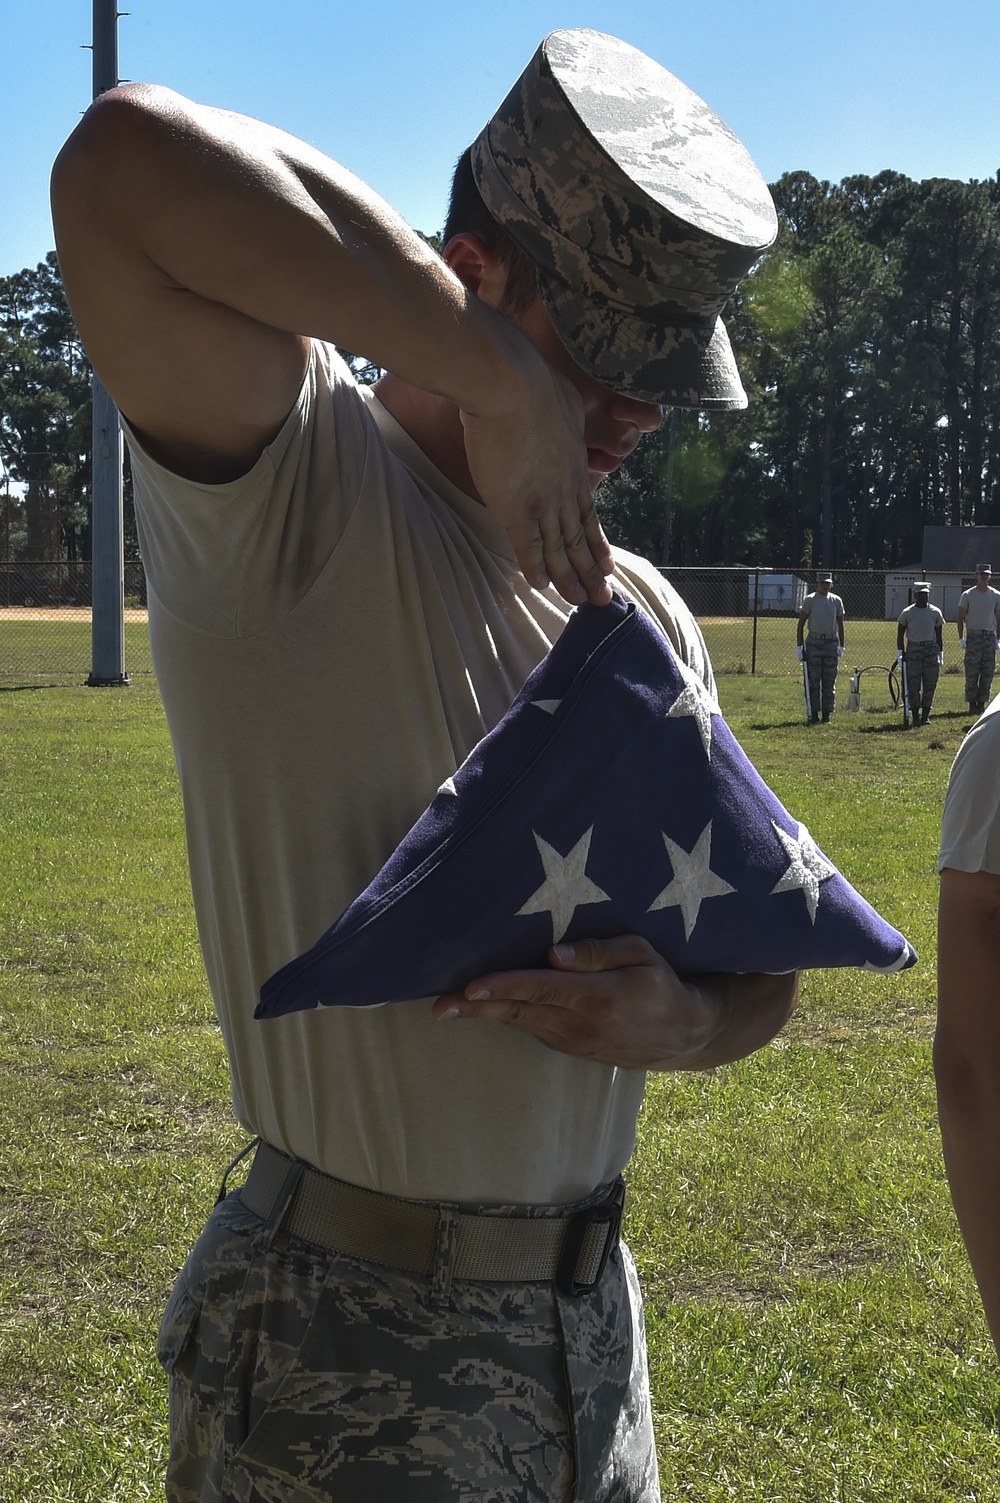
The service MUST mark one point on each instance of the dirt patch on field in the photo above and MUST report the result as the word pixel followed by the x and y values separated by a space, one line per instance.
pixel 58 613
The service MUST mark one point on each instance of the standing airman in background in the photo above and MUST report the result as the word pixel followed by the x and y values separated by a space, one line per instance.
pixel 921 624
pixel 979 619
pixel 823 646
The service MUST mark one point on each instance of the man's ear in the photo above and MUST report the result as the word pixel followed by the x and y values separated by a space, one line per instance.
pixel 477 266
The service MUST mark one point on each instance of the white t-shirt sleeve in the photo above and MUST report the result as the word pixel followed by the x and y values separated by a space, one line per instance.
pixel 970 827
pixel 232 559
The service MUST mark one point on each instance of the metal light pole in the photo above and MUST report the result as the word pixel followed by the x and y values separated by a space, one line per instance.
pixel 107 663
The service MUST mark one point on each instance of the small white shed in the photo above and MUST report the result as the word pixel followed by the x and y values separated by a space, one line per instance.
pixel 777 592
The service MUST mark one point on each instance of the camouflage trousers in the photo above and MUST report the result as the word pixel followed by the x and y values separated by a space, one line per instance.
pixel 922 673
pixel 821 665
pixel 980 663
pixel 299 1375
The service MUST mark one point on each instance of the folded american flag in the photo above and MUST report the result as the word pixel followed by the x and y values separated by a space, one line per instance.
pixel 611 799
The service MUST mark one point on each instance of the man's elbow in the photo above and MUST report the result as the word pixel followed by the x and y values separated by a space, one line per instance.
pixel 112 131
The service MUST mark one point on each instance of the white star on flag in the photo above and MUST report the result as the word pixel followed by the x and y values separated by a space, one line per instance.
pixel 696 701
pixel 693 879
pixel 566 884
pixel 806 870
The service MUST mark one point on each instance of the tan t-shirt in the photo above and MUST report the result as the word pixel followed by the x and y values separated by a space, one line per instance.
pixel 823 613
pixel 981 606
pixel 332 635
pixel 970 827
pixel 921 622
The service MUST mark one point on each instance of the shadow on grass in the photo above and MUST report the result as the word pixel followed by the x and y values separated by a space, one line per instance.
pixel 799 720
pixel 896 725
pixel 777 725
pixel 31 688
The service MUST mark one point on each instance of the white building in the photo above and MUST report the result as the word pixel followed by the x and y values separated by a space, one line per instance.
pixel 951 555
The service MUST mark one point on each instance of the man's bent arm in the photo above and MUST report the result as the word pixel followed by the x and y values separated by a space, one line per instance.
pixel 967 1068
pixel 618 1002
pixel 200 250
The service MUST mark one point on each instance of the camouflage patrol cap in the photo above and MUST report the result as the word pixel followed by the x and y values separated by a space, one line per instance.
pixel 640 210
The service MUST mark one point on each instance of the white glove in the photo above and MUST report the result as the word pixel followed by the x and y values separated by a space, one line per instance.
pixel 961 643
pixel 800 653
pixel 840 652
pixel 899 656
pixel 940 659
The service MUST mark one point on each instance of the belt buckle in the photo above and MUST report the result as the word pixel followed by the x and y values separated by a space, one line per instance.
pixel 610 1212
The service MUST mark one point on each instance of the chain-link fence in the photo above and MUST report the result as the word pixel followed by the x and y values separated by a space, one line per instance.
pixel 45 623
pixel 748 617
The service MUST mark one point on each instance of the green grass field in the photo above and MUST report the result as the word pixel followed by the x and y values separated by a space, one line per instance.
pixel 814 1331
pixel 57 651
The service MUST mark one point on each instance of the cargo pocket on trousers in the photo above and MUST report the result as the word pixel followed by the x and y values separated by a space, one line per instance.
pixel 177 1326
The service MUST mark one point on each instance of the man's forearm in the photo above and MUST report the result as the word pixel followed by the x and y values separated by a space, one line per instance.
pixel 617 1002
pixel 740 1013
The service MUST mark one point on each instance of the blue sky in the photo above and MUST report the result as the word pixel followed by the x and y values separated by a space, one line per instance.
pixel 396 89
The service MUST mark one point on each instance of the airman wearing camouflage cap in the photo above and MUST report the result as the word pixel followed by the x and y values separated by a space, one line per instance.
pixel 419 1292
pixel 639 208
pixel 978 631
pixel 920 646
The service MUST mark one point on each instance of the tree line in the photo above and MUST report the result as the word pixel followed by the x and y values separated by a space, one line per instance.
pixel 868 339
pixel 45 414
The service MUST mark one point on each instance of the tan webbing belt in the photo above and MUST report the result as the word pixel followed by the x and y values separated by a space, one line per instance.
pixel 570 1250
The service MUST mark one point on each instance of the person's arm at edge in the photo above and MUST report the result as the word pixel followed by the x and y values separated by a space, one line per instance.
pixel 963 611
pixel 840 626
pixel 967 1068
pixel 900 633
